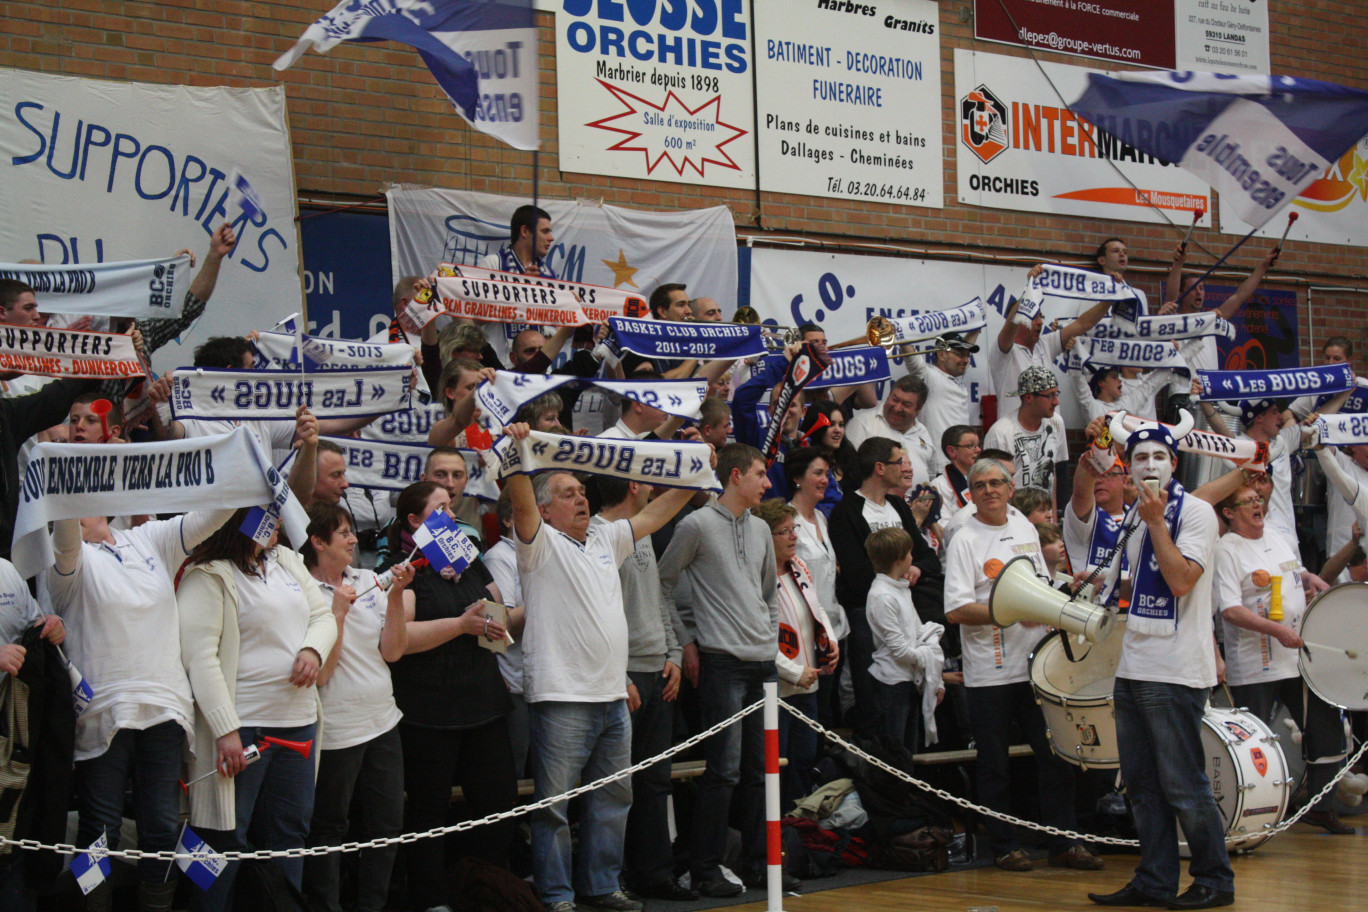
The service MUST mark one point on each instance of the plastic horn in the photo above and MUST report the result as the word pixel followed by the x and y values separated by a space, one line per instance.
pixel 101 408
pixel 821 422
pixel 386 579
pixel 1291 217
pixel 303 748
pixel 1196 217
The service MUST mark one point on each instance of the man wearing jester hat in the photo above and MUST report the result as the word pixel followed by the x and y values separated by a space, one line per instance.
pixel 1167 669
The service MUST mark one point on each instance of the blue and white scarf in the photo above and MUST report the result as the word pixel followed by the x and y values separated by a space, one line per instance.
pixel 1153 607
pixel 916 327
pixel 1090 350
pixel 280 351
pixel 389 466
pixel 1276 384
pixel 666 463
pixel 1342 430
pixel 1106 532
pixel 1168 328
pixel 203 392
pixel 510 262
pixel 856 364
pixel 670 339
pixel 1356 404
pixel 143 289
pixel 1083 284
pixel 509 391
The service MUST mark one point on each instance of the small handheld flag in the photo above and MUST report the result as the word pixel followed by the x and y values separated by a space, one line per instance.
pixel 205 865
pixel 244 196
pixel 443 544
pixel 81 691
pixel 91 867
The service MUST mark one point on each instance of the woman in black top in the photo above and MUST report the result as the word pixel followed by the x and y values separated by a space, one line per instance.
pixel 455 705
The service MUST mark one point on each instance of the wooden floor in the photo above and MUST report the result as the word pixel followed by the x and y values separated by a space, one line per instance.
pixel 1303 870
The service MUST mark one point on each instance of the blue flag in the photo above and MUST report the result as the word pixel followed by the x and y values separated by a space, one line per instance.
pixel 483 53
pixel 1258 140
pixel 91 867
pixel 443 544
pixel 205 865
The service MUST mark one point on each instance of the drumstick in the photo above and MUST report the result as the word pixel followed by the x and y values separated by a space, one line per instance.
pixel 1351 653
pixel 1291 217
pixel 1196 215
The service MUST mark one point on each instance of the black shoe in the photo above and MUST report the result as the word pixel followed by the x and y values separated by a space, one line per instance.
pixel 669 889
pixel 1129 895
pixel 1199 896
pixel 1329 821
pixel 719 888
pixel 788 883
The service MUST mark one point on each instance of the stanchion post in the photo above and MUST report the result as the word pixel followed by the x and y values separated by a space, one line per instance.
pixel 773 831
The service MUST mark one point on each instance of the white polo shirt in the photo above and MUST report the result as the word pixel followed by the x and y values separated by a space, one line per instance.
pixel 915 441
pixel 575 637
pixel 358 700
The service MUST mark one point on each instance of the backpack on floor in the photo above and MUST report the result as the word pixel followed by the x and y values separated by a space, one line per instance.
pixel 480 886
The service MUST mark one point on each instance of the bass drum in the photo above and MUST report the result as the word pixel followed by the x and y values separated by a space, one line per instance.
pixel 1249 776
pixel 1334 663
pixel 1076 697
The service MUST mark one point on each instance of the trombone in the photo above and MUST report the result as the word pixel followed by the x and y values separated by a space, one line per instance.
pixel 882 332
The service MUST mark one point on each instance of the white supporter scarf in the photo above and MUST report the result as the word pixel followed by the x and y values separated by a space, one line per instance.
pixel 68 353
pixel 280 351
pixel 386 466
pixel 1168 328
pixel 1127 353
pixel 1239 452
pixel 76 480
pixel 510 391
pixel 143 289
pixel 1342 430
pixel 1084 284
pixel 202 392
pixel 494 302
pixel 597 301
pixel 666 463
pixel 964 319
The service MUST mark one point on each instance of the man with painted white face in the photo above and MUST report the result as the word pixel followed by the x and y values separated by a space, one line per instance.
pixel 1167 670
pixel 575 653
pixel 996 673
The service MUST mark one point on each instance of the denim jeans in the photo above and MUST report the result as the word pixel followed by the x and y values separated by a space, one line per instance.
pixel 735 762
pixel 578 743
pixel 274 800
pixel 152 757
pixel 899 708
pixel 1159 733
pixel 798 743
pixel 650 858
pixel 992 712
pixel 371 775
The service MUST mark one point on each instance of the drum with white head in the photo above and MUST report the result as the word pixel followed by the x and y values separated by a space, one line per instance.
pixel 1334 659
pixel 1249 775
pixel 1076 697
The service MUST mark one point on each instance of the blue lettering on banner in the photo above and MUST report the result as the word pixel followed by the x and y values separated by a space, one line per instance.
pixel 702 34
pixel 152 171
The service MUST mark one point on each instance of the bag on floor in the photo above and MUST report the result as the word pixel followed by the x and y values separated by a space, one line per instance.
pixel 481 886
pixel 924 850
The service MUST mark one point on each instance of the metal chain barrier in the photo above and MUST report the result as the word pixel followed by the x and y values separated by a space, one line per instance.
pixel 135 854
pixel 1045 828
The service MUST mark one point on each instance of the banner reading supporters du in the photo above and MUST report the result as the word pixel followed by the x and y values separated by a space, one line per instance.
pixel 849 105
pixel 106 171
pixel 841 293
pixel 662 94
pixel 1019 147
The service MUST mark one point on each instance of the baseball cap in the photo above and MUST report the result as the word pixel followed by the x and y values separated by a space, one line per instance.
pixel 1035 379
pixel 955 341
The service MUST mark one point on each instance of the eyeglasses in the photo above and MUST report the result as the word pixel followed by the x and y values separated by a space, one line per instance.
pixel 1115 473
pixel 1248 502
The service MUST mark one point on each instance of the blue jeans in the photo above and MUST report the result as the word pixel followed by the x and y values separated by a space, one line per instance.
pixel 578 743
pixel 1159 732
pixel 899 707
pixel 152 757
pixel 735 761
pixel 798 743
pixel 274 799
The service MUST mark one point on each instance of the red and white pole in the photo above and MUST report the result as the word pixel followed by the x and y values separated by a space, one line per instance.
pixel 773 830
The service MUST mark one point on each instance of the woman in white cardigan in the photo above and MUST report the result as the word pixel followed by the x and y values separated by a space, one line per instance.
pixel 254 631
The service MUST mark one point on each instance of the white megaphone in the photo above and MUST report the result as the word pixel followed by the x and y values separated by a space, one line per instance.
pixel 1018 594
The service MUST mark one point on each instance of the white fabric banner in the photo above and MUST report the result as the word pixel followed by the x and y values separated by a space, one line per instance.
pixel 385 466
pixel 142 289
pixel 76 480
pixel 68 353
pixel 1125 353
pixel 202 392
pixel 1164 329
pixel 1068 282
pixel 666 463
pixel 628 249
pixel 116 170
pixel 279 351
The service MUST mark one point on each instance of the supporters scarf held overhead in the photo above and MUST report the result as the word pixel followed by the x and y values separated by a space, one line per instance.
pixel 277 395
pixel 68 353
pixel 666 463
pixel 142 289
pixel 510 390
pixel 1276 384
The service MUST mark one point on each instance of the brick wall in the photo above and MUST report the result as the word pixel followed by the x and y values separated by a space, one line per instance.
pixel 363 116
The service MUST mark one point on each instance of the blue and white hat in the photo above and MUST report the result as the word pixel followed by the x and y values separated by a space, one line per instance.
pixel 1151 431
pixel 1253 408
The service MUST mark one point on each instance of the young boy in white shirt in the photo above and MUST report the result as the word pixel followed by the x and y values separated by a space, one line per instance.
pixel 907 655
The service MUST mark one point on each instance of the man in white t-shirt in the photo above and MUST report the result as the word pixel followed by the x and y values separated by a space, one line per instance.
pixel 1019 346
pixel 1113 258
pixel 1167 670
pixel 1262 638
pixel 996 675
pixel 897 421
pixel 1035 434
pixel 947 398
pixel 575 677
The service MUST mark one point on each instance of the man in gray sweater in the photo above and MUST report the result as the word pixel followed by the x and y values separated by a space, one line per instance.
pixel 653 662
pixel 726 558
